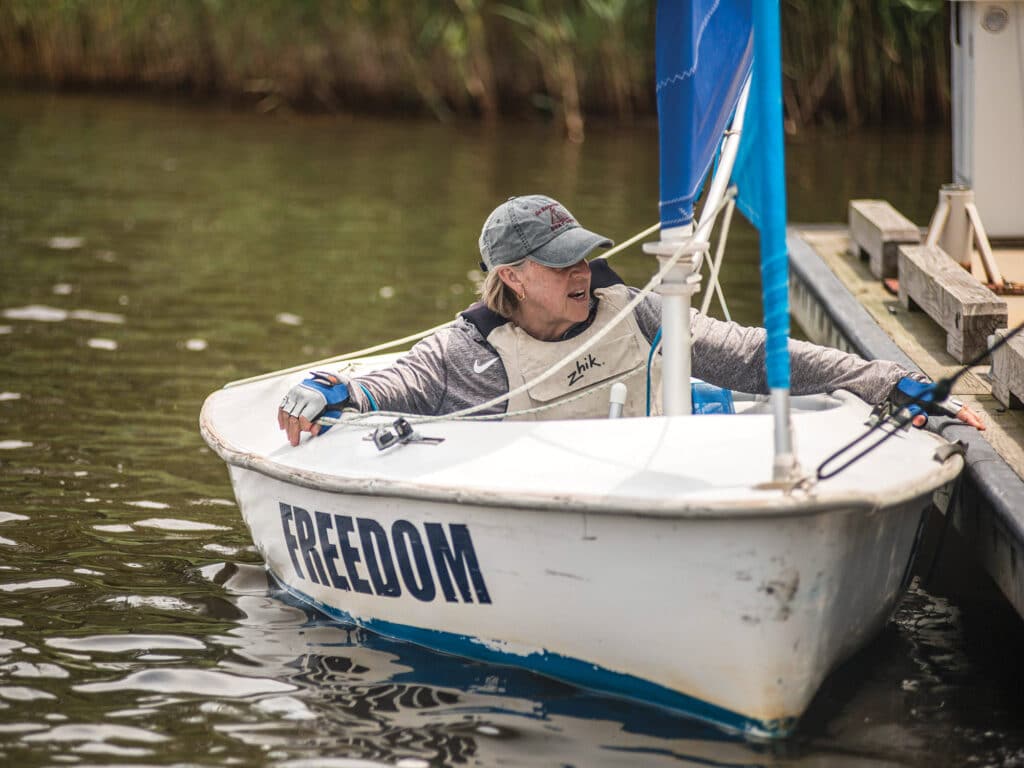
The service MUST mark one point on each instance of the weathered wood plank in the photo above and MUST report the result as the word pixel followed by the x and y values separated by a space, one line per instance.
pixel 878 230
pixel 1008 372
pixel 967 310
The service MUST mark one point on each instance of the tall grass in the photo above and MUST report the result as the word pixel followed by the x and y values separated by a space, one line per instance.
pixel 848 61
pixel 858 61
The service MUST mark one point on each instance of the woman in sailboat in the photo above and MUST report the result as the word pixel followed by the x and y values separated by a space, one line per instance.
pixel 541 300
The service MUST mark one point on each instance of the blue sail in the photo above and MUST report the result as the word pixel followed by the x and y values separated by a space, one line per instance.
pixel 760 177
pixel 703 56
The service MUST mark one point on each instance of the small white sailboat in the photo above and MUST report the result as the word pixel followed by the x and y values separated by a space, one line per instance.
pixel 684 561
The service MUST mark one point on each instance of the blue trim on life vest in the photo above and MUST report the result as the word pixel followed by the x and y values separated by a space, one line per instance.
pixel 575 671
pixel 373 403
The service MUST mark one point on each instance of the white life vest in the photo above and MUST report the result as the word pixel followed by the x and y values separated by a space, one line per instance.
pixel 623 351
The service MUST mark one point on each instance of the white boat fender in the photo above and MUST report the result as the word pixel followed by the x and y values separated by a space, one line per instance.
pixel 616 399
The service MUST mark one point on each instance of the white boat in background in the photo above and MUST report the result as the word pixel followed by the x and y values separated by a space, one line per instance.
pixel 676 560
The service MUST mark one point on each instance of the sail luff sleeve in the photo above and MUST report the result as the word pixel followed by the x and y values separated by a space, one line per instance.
pixel 767 93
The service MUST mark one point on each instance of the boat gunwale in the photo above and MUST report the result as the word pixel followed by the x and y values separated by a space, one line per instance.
pixel 797 502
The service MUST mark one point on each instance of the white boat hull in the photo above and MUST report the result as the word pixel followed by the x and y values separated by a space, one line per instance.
pixel 665 580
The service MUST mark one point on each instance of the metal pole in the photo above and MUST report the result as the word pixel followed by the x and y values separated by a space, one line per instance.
pixel 683 280
pixel 675 340
pixel 676 289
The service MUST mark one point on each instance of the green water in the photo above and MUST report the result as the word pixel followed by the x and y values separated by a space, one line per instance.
pixel 150 253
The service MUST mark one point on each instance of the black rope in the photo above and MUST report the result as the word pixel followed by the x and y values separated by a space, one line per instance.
pixel 954 500
pixel 903 417
pixel 900 419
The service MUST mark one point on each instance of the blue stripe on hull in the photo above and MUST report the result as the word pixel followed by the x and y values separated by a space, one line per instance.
pixel 565 668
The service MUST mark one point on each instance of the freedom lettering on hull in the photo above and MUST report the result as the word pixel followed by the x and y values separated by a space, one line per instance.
pixel 359 554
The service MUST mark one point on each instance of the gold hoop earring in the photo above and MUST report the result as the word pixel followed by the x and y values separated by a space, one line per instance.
pixel 521 296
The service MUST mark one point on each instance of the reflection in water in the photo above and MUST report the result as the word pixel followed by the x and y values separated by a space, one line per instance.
pixel 387 699
pixel 148 254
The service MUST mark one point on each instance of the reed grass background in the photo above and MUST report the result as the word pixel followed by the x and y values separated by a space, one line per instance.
pixel 845 61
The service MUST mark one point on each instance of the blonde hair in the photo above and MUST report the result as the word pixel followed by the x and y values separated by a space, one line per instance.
pixel 497 295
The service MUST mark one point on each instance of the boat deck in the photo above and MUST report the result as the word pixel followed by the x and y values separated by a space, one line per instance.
pixel 839 301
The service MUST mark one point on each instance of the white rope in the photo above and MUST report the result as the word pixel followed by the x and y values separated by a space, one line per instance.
pixel 354 418
pixel 634 239
pixel 575 353
pixel 414 337
pixel 339 358
pixel 714 284
pixel 686 246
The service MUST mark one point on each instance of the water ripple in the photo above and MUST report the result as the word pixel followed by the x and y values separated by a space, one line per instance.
pixel 37 312
pixel 335 762
pixel 6 517
pixel 160 602
pixel 95 748
pixel 123 643
pixel 21 727
pixel 41 313
pixel 213 502
pixel 28 669
pixel 114 528
pixel 200 682
pixel 172 524
pixel 38 584
pixel 288 707
pixel 23 693
pixel 97 733
pixel 96 317
pixel 65 242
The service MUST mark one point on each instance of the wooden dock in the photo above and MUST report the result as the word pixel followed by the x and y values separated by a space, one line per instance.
pixel 839 297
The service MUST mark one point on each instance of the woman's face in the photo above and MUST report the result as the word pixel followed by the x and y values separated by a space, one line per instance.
pixel 556 299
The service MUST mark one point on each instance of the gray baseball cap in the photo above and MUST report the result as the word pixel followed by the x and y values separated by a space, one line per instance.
pixel 535 227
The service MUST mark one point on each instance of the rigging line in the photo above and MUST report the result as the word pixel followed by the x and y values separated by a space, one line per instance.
pixel 551 371
pixel 715 265
pixel 355 418
pixel 683 249
pixel 626 243
pixel 938 393
pixel 943 387
pixel 339 358
pixel 902 422
pixel 954 501
pixel 415 336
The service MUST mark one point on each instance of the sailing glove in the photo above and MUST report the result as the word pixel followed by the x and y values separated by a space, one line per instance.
pixel 920 397
pixel 322 394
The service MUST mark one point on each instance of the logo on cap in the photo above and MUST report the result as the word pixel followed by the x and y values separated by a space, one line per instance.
pixel 558 215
